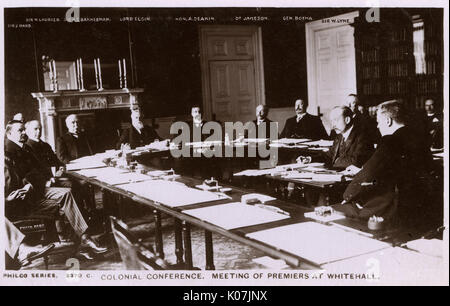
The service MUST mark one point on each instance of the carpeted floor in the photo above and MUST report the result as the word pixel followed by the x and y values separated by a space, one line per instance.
pixel 228 254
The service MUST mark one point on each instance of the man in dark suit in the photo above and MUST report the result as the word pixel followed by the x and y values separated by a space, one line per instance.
pixel 352 145
pixel 363 119
pixel 74 144
pixel 435 126
pixel 138 134
pixel 27 192
pixel 261 125
pixel 401 161
pixel 303 125
pixel 42 150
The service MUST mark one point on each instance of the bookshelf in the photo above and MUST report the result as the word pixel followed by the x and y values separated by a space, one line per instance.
pixel 399 58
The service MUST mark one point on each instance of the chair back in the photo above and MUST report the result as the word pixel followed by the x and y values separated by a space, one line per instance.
pixel 134 255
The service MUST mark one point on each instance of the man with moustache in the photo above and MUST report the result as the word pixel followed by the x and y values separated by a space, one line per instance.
pixel 261 125
pixel 303 125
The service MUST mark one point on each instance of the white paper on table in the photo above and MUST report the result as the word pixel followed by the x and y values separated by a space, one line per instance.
pixel 257 140
pixel 314 167
pixel 290 166
pixel 123 178
pixel 329 218
pixel 234 215
pixel 298 175
pixel 84 165
pixel 317 242
pixel 107 154
pixel 158 145
pixel 157 173
pixel 291 140
pixel 432 247
pixel 323 149
pixel 261 197
pixel 201 144
pixel 104 171
pixel 320 143
pixel 173 194
pixel 319 177
pixel 256 172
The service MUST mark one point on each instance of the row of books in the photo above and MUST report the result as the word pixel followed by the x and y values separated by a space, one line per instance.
pixel 398 70
pixel 370 56
pixel 370 72
pixel 398 53
pixel 427 86
pixel 372 88
pixel 401 35
pixel 432 48
pixel 432 30
pixel 396 87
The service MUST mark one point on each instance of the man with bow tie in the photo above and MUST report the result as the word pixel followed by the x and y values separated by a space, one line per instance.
pixel 303 125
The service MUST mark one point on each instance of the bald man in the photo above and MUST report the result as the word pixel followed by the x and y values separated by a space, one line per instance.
pixel 74 144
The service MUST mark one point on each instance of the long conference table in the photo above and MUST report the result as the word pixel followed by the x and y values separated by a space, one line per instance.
pixel 280 231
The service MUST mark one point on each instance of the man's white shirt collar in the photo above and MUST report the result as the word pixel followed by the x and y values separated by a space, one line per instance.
pixel 137 129
pixel 300 117
pixel 347 133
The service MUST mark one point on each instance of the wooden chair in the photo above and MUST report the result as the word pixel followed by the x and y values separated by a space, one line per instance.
pixel 37 229
pixel 133 253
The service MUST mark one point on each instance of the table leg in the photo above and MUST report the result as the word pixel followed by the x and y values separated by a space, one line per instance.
pixel 178 241
pixel 209 251
pixel 92 204
pixel 187 246
pixel 158 234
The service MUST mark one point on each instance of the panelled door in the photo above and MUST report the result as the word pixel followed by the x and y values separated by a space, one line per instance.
pixel 331 63
pixel 336 68
pixel 233 90
pixel 231 73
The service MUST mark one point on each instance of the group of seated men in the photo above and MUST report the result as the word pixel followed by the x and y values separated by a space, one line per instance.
pixel 383 155
pixel 388 156
pixel 31 189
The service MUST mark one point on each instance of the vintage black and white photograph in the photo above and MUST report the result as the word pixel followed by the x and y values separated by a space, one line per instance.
pixel 302 143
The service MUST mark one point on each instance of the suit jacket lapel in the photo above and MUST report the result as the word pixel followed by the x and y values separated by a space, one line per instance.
pixel 73 145
pixel 339 139
pixel 351 138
